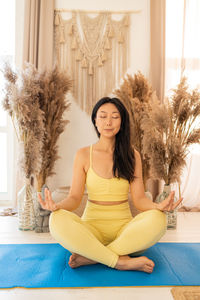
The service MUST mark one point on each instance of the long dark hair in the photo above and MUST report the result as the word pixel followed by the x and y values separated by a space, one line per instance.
pixel 123 155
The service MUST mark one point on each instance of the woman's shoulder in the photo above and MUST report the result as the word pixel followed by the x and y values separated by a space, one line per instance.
pixel 83 154
pixel 83 157
pixel 83 151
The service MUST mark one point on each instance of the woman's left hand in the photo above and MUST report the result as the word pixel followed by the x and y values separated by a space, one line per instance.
pixel 168 204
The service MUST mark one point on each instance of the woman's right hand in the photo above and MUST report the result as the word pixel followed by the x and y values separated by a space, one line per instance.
pixel 47 203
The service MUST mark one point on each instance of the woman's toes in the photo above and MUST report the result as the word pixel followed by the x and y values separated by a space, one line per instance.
pixel 72 259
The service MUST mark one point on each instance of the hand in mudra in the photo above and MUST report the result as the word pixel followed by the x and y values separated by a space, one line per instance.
pixel 48 202
pixel 168 204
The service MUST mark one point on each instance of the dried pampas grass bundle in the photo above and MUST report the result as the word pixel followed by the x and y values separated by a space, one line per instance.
pixel 22 103
pixel 136 93
pixel 55 85
pixel 36 103
pixel 169 128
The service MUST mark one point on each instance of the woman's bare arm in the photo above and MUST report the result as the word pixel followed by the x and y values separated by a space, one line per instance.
pixel 139 198
pixel 72 201
pixel 140 201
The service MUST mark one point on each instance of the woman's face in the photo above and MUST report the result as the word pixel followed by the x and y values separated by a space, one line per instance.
pixel 108 120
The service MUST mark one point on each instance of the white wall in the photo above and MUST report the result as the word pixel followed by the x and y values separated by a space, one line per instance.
pixel 80 132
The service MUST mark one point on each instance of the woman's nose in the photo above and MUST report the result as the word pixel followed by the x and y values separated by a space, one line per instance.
pixel 109 121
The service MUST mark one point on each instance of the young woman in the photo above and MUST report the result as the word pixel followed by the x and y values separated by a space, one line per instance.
pixel 107 233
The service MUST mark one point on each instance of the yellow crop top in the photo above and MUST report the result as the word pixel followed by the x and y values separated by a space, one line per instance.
pixel 104 189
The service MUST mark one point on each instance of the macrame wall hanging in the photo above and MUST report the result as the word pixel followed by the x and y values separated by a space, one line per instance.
pixel 94 51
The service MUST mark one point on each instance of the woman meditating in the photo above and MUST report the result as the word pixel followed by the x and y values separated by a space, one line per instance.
pixel 107 233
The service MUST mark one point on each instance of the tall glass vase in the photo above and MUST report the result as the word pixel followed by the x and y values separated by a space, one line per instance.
pixel 26 207
pixel 172 215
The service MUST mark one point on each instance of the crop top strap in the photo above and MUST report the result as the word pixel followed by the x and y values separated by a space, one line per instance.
pixel 91 156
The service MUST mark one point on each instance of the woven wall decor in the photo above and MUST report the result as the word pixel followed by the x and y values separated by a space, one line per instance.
pixel 94 51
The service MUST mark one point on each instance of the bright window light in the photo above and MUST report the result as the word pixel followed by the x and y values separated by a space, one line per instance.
pixel 7 51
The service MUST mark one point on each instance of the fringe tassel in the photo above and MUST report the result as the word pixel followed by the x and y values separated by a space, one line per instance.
pixel 107 44
pixel 57 20
pixel 126 21
pixel 103 56
pixel 62 37
pixel 120 38
pixel 100 63
pixel 78 55
pixel 111 32
pixel 74 43
pixel 70 31
pixel 84 63
pixel 90 72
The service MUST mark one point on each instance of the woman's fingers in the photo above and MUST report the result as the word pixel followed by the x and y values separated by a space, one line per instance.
pixel 42 203
pixel 171 205
pixel 48 202
pixel 168 204
pixel 177 203
pixel 171 200
pixel 46 194
pixel 49 196
pixel 45 203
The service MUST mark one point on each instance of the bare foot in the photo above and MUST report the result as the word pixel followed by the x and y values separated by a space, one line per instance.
pixel 77 260
pixel 141 263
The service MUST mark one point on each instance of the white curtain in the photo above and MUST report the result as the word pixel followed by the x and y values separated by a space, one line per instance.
pixel 182 57
pixel 182 42
pixel 36 44
pixel 157 45
pixel 157 63
pixel 38 33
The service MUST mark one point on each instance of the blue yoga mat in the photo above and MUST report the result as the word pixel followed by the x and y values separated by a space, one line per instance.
pixel 46 265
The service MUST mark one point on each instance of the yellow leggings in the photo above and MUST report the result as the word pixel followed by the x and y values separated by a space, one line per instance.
pixel 105 232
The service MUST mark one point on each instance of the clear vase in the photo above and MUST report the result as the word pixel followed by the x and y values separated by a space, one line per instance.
pixel 148 194
pixel 26 207
pixel 172 215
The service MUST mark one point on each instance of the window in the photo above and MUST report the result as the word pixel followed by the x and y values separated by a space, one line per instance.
pixel 7 50
pixel 182 42
pixel 182 45
pixel 183 59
